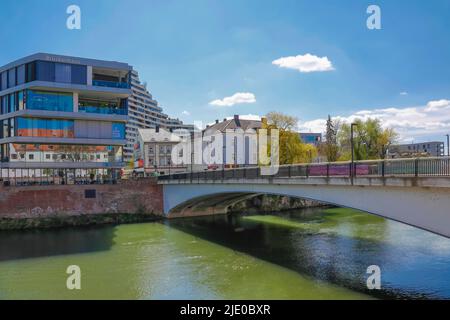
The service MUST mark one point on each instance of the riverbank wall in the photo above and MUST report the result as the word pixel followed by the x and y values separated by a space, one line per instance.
pixel 68 205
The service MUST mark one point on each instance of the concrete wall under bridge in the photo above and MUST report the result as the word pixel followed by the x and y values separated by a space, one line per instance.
pixel 420 202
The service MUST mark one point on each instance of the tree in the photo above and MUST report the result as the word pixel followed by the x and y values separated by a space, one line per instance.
pixel 282 121
pixel 331 146
pixel 291 148
pixel 370 140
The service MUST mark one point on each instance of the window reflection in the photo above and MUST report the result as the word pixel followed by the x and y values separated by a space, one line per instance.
pixel 50 101
pixel 34 127
pixel 65 153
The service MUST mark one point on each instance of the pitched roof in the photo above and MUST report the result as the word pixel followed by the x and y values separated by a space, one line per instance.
pixel 150 135
pixel 234 123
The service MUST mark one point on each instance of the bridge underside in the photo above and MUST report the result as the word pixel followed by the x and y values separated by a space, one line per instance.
pixel 423 207
pixel 210 204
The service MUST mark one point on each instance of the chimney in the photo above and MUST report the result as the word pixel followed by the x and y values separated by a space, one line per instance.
pixel 236 119
pixel 224 119
pixel 217 121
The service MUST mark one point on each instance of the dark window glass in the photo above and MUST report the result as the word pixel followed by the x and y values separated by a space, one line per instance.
pixel 63 73
pixel 30 71
pixel 5 103
pixel 12 102
pixel 79 74
pixel 45 71
pixel 4 152
pixel 4 80
pixel 11 77
pixel 21 74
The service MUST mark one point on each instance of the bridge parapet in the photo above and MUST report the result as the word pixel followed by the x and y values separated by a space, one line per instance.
pixel 424 172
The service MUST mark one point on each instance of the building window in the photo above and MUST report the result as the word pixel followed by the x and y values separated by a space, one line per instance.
pixel 11 77
pixel 21 74
pixel 30 72
pixel 31 156
pixel 47 156
pixel 45 71
pixel 36 127
pixel 20 100
pixel 79 74
pixel 63 73
pixel 4 80
pixel 50 101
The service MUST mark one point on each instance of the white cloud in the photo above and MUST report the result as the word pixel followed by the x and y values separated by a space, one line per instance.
pixel 237 98
pixel 403 93
pixel 422 122
pixel 186 113
pixel 305 63
pixel 437 105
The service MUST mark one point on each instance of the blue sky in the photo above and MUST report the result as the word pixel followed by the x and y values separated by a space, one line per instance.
pixel 194 52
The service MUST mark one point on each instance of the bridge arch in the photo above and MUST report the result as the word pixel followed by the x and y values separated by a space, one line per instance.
pixel 425 208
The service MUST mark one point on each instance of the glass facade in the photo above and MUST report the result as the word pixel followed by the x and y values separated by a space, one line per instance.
pixel 50 101
pixel 96 106
pixel 60 153
pixel 92 136
pixel 43 71
pixel 7 128
pixel 53 128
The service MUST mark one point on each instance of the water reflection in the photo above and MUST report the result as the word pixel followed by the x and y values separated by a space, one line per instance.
pixel 43 243
pixel 337 245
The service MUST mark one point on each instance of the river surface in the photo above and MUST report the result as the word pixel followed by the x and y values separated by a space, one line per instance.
pixel 310 254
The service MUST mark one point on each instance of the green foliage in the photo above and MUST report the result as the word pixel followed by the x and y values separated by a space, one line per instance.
pixel 291 148
pixel 370 140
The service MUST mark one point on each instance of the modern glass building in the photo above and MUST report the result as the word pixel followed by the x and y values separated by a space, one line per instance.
pixel 63 113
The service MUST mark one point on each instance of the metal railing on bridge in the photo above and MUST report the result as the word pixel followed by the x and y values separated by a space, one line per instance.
pixel 418 167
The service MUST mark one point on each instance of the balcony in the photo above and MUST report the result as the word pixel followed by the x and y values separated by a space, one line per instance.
pixel 111 84
pixel 103 110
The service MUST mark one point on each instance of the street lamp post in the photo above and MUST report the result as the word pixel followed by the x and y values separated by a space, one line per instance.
pixel 448 145
pixel 352 166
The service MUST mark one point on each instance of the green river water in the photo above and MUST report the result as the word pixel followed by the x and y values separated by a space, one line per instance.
pixel 310 254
